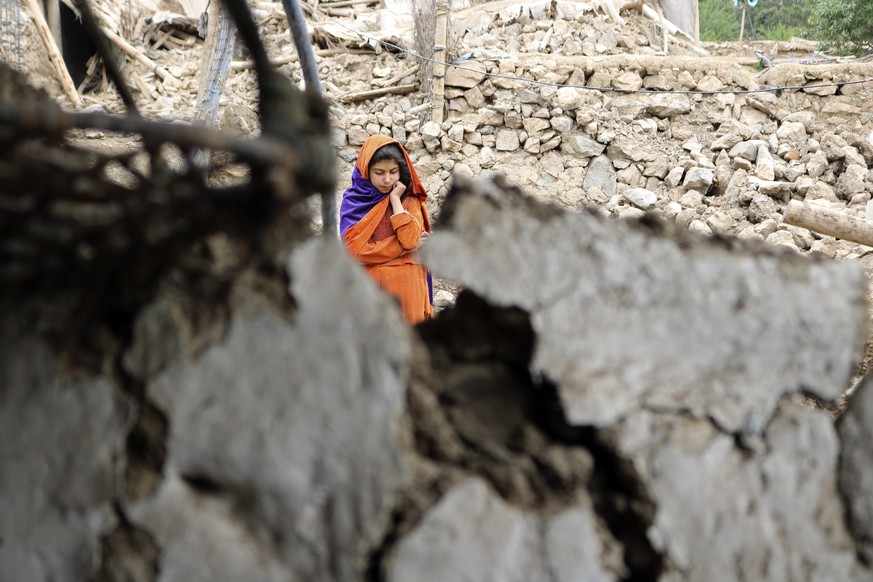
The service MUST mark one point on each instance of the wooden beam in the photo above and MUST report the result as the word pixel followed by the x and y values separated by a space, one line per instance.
pixel 136 55
pixel 437 114
pixel 829 222
pixel 372 94
pixel 57 60
pixel 53 18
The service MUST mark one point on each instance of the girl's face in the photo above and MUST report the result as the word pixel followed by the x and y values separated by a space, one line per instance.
pixel 384 174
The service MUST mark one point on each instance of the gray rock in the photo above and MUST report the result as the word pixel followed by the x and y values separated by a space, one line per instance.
pixel 600 175
pixel 507 140
pixel 691 199
pixel 623 149
pixel 749 233
pixel 851 182
pixel 487 157
pixel 475 98
pixel 700 227
pixel 726 142
pixel 512 119
pixel 581 145
pixel 761 208
pixel 666 106
pixel 710 83
pixel 807 118
pixel 674 177
pixel 783 238
pixel 765 166
pixel 833 146
pixel 657 169
pixel 561 123
pixel 629 80
pixel 747 149
pixel 719 221
pixel 766 103
pixel 357 135
pixel 532 145
pixel 766 227
pixel 698 179
pixel 793 132
pixel 771 188
pixel 552 164
pixel 443 299
pixel 641 198
pixel 627 108
pixel 535 124
pixel 431 134
pixel 853 157
pixel 817 164
pixel 467 77
pixel 821 191
pixel 568 98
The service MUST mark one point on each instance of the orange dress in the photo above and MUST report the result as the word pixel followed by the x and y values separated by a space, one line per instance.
pixel 385 243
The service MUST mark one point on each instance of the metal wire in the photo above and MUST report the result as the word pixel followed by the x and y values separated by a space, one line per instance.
pixel 10 33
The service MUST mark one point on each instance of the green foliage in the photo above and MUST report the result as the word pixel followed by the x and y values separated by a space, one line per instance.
pixel 846 25
pixel 772 19
pixel 718 20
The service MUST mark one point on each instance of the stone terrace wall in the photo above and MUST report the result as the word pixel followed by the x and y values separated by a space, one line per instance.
pixel 724 161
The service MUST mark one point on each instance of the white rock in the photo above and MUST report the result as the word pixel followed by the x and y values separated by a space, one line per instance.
pixel 793 132
pixel 764 165
pixel 641 198
pixel 674 177
pixel 568 98
pixel 698 179
pixel 507 140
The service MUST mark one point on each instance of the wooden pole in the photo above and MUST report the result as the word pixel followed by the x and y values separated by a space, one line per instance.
pixel 42 28
pixel 439 66
pixel 53 18
pixel 829 222
pixel 742 21
pixel 136 55
pixel 373 93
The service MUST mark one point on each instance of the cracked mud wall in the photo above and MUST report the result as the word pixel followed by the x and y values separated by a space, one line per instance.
pixel 607 400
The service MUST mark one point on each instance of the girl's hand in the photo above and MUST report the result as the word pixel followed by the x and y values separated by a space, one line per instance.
pixel 398 190
pixel 394 196
pixel 424 238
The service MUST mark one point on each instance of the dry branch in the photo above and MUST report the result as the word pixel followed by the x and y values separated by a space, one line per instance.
pixel 373 93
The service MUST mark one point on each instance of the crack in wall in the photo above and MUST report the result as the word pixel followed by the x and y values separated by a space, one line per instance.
pixel 127 554
pixel 476 410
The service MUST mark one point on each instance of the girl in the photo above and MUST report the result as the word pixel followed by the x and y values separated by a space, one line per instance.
pixel 383 222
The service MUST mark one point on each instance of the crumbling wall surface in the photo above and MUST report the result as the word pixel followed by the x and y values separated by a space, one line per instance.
pixel 856 468
pixel 60 439
pixel 285 447
pixel 606 401
pixel 630 317
pixel 687 357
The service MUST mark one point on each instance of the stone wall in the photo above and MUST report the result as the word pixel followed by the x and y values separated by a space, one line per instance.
pixel 688 138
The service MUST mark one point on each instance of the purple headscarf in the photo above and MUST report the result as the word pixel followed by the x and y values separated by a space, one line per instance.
pixel 358 200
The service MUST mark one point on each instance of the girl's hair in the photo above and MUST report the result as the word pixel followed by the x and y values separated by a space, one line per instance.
pixel 392 151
